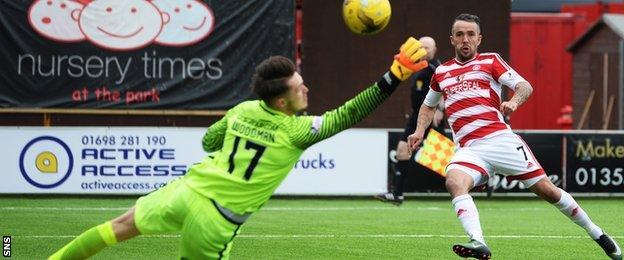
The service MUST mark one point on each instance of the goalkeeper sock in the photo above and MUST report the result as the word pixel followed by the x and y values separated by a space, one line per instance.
pixel 468 216
pixel 88 243
pixel 568 206
pixel 399 177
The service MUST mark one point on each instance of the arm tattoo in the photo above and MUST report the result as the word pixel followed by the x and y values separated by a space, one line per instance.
pixel 522 93
pixel 425 115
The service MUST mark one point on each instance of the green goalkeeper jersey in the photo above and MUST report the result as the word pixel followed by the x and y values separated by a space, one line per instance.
pixel 254 147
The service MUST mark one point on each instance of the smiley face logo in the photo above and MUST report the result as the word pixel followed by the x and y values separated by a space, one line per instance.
pixel 120 25
pixel 190 22
pixel 53 19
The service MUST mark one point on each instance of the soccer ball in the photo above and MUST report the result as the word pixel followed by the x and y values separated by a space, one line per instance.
pixel 366 16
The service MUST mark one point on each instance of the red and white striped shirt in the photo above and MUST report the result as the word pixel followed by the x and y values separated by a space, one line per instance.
pixel 472 94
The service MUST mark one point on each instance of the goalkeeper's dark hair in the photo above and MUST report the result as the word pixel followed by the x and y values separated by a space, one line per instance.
pixel 471 18
pixel 269 80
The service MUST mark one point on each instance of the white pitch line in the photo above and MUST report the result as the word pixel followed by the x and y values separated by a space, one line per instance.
pixel 384 208
pixel 295 236
pixel 64 208
pixel 264 209
pixel 345 208
pixel 413 236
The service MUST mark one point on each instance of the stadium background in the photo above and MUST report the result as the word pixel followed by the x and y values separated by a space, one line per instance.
pixel 336 65
pixel 534 38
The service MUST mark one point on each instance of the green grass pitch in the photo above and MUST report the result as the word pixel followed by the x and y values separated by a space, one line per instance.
pixel 329 229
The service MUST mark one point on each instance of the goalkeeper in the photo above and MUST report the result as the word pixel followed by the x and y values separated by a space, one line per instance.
pixel 252 149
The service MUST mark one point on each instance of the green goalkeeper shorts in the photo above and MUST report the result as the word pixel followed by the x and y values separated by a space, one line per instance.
pixel 206 234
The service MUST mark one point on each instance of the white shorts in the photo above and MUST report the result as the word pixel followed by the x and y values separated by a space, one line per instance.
pixel 505 154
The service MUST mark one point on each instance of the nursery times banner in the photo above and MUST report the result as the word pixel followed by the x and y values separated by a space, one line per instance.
pixel 183 54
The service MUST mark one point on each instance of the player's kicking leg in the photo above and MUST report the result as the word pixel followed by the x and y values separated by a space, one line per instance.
pixel 568 206
pixel 459 180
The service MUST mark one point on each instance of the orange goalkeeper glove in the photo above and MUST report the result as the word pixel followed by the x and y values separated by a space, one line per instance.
pixel 409 60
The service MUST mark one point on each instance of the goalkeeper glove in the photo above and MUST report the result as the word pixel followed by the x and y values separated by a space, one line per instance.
pixel 408 60
pixel 405 63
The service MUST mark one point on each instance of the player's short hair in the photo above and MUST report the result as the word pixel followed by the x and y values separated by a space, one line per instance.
pixel 467 18
pixel 271 76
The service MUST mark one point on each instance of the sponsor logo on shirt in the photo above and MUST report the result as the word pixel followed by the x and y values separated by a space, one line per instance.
pixel 316 124
pixel 461 87
pixel 419 85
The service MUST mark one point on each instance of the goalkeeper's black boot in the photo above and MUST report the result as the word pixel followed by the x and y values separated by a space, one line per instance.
pixel 610 246
pixel 390 198
pixel 474 249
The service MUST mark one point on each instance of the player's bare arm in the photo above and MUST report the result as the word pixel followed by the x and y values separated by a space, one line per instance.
pixel 425 115
pixel 522 93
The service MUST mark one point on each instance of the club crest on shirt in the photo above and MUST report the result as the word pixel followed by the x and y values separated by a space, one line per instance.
pixel 476 67
pixel 459 78
pixel 419 85
pixel 316 124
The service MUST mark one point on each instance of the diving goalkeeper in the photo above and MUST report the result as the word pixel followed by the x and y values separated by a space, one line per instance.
pixel 251 150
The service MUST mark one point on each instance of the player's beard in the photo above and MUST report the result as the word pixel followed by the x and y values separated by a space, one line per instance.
pixel 464 56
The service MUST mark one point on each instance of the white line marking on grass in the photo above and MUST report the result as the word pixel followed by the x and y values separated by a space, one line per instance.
pixel 72 236
pixel 346 208
pixel 265 209
pixel 353 236
pixel 64 208
pixel 387 208
pixel 415 236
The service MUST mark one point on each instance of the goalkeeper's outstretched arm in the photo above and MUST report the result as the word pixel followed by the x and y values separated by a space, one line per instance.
pixel 310 130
